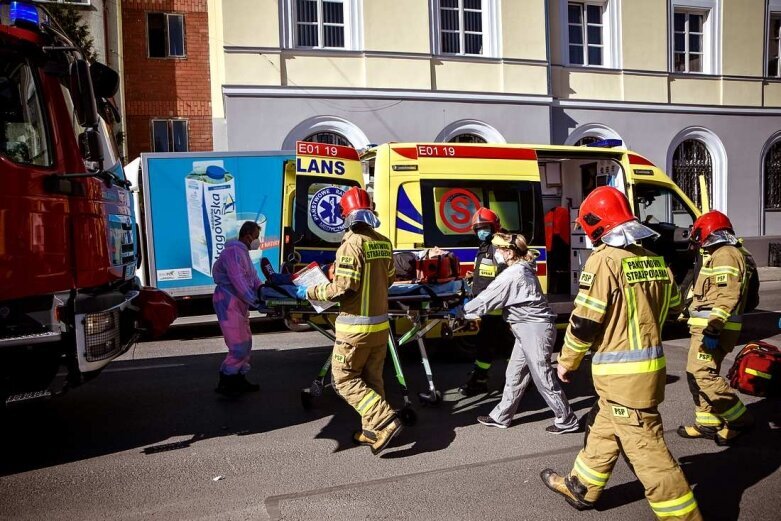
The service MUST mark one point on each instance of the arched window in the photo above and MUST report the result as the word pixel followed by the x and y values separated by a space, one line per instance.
pixel 586 140
pixel 773 177
pixel 690 160
pixel 329 138
pixel 467 138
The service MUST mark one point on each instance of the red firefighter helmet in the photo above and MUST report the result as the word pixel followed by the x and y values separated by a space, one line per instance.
pixel 602 210
pixel 484 216
pixel 708 223
pixel 355 199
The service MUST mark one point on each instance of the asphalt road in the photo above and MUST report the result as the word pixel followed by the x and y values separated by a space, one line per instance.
pixel 149 439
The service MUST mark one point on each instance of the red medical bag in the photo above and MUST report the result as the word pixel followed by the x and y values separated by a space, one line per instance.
pixel 438 266
pixel 757 370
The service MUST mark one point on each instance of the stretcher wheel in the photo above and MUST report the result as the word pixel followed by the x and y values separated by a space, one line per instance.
pixel 307 400
pixel 316 389
pixel 408 416
pixel 430 398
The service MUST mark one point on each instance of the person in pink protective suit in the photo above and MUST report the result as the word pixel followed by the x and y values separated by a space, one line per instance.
pixel 236 293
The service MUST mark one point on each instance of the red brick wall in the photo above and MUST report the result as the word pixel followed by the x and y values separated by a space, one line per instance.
pixel 162 88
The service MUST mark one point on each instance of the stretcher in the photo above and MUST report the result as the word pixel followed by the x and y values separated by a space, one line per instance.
pixel 425 306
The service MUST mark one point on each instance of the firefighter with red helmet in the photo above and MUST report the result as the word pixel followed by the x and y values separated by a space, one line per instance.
pixel 362 274
pixel 625 294
pixel 715 319
pixel 494 335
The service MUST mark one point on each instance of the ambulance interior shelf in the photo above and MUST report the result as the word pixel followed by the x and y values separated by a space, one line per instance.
pixel 424 305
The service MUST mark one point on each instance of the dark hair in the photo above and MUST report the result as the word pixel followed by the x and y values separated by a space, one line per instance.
pixel 248 228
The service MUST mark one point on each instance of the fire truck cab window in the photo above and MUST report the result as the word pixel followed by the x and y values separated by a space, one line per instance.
pixel 448 207
pixel 23 134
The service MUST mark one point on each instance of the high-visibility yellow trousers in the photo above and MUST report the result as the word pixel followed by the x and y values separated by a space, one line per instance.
pixel 715 402
pixel 356 368
pixel 638 433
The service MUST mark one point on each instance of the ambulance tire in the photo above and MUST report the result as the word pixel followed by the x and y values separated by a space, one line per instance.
pixel 408 416
pixel 297 328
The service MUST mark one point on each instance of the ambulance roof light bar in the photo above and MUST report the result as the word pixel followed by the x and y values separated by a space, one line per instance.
pixel 606 143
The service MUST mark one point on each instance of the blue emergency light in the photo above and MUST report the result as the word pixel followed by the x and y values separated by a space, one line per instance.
pixel 22 13
pixel 606 143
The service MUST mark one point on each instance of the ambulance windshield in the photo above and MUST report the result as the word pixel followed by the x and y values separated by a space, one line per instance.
pixel 448 207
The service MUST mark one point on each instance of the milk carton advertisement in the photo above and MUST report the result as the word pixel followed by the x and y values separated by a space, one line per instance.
pixel 211 213
pixel 194 203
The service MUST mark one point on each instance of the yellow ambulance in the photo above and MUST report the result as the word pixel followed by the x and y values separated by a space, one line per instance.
pixel 426 193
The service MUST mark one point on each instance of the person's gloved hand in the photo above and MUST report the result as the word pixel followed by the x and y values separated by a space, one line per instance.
pixel 301 292
pixel 711 342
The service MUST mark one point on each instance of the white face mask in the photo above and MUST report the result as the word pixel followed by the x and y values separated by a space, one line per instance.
pixel 254 245
pixel 499 258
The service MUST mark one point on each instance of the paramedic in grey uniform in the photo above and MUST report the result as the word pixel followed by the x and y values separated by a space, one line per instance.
pixel 517 292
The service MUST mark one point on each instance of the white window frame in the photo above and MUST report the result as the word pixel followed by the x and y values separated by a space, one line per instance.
pixel 167 56
pixel 611 33
pixel 349 130
pixel 711 38
pixel 170 125
pixel 470 126
pixel 353 26
pixel 718 156
pixel 773 9
pixel 492 35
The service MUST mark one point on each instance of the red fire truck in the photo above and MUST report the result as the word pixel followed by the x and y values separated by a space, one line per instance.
pixel 69 297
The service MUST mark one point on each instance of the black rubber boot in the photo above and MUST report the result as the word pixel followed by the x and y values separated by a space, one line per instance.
pixel 245 386
pixel 477 383
pixel 227 385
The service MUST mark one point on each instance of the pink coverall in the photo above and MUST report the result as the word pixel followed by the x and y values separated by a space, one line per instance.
pixel 237 285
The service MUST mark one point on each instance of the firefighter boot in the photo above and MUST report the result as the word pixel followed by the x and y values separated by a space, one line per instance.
pixel 384 435
pixel 364 438
pixel 477 383
pixel 697 431
pixel 731 431
pixel 569 487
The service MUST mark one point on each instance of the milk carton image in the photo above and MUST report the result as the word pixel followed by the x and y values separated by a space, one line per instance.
pixel 211 213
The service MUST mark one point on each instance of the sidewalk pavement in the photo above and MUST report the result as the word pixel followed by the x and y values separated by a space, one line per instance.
pixel 769 274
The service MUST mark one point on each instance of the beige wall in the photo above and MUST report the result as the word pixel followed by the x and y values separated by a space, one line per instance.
pixel 644 31
pixel 523 29
pixel 396 25
pixel 253 23
pixel 402 27
pixel 743 37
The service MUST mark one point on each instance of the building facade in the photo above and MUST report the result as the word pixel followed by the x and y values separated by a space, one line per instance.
pixel 165 67
pixel 691 84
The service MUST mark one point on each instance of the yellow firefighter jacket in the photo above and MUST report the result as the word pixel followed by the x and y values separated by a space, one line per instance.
pixel 363 272
pixel 720 291
pixel 624 298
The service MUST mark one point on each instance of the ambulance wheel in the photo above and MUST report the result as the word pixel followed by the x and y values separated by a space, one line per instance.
pixel 307 400
pixel 408 416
